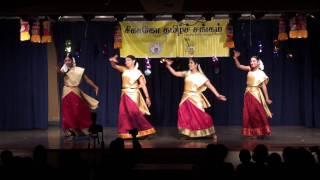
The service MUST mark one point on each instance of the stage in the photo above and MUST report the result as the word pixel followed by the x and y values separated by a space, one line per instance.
pixel 164 149
pixel 166 137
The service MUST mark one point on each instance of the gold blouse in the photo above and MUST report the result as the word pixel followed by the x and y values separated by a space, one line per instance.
pixel 74 76
pixel 194 85
pixel 255 78
pixel 254 82
pixel 130 87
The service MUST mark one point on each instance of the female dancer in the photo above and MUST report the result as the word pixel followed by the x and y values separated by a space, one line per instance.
pixel 132 105
pixel 256 98
pixel 193 121
pixel 76 105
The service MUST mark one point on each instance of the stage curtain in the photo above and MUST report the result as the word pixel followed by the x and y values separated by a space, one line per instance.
pixel 24 80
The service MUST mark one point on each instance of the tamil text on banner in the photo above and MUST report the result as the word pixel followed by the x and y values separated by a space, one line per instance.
pixel 187 38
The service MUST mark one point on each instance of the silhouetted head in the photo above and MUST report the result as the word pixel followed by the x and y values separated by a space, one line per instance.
pixel 245 156
pixel 288 154
pixel 117 145
pixel 217 152
pixel 6 157
pixel 260 153
pixel 40 154
pixel 222 151
pixel 274 160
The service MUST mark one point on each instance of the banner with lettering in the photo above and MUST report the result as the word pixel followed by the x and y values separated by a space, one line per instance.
pixel 187 38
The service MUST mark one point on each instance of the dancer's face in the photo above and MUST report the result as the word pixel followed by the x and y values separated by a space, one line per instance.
pixel 68 61
pixel 254 63
pixel 129 62
pixel 192 65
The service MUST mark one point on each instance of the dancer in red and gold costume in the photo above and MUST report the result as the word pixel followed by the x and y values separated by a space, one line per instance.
pixel 133 107
pixel 76 105
pixel 256 99
pixel 193 121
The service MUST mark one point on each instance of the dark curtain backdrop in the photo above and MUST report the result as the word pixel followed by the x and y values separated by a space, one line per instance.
pixel 294 83
pixel 24 80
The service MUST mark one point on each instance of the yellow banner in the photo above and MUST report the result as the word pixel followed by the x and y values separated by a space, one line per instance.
pixel 187 38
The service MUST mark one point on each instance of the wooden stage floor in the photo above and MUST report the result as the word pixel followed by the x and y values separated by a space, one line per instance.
pixel 166 137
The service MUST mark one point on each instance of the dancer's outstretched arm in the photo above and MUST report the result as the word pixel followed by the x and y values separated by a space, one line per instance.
pixel 237 63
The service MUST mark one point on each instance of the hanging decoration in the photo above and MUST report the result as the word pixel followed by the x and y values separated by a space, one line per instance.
pixel 283 35
pixel 35 32
pixel 298 27
pixel 289 56
pixel 260 47
pixel 215 59
pixel 276 47
pixel 147 70
pixel 67 46
pixel 302 26
pixel 229 41
pixel 289 53
pixel 24 30
pixel 216 66
pixel 117 44
pixel 105 50
pixel 46 32
pixel 77 50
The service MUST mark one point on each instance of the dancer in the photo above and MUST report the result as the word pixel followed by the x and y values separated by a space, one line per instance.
pixel 132 105
pixel 193 121
pixel 76 105
pixel 256 98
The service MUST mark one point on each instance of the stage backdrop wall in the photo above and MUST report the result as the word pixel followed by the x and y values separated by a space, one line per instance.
pixel 24 80
pixel 294 83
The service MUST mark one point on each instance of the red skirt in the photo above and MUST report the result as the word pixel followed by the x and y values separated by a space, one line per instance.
pixel 255 119
pixel 76 114
pixel 131 117
pixel 194 122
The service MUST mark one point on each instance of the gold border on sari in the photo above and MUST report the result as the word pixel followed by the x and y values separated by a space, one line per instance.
pixel 140 133
pixel 197 133
pixel 266 130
